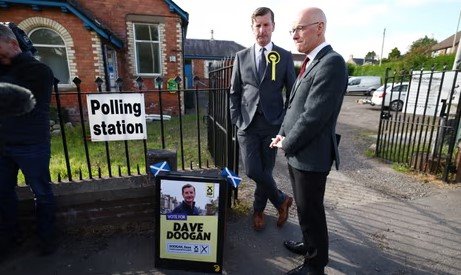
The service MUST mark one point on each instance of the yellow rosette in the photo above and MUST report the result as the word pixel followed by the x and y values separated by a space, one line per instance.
pixel 273 58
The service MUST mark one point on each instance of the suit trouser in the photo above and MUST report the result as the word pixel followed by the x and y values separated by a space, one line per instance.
pixel 33 160
pixel 308 191
pixel 259 161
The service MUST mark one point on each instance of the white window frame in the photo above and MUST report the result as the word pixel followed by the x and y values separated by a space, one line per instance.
pixel 135 40
pixel 55 46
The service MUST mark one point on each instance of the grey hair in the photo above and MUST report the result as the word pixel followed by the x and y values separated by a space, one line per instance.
pixel 6 33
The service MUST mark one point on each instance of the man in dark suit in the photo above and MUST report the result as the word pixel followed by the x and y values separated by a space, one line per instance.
pixel 308 135
pixel 260 74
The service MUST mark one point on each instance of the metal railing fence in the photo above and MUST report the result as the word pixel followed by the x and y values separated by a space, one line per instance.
pixel 101 159
pixel 422 132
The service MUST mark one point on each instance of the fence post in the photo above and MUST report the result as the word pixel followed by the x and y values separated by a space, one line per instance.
pixel 197 115
pixel 159 82
pixel 77 82
pixel 63 131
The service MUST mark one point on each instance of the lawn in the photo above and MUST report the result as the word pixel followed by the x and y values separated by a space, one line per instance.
pixel 117 150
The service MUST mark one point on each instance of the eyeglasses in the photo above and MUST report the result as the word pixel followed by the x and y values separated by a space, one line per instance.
pixel 301 27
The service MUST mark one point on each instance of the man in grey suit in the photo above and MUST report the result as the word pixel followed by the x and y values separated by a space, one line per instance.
pixel 308 135
pixel 260 74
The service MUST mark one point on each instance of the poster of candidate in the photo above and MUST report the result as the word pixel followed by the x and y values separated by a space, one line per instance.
pixel 190 222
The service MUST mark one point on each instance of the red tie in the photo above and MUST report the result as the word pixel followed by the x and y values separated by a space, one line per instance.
pixel 303 67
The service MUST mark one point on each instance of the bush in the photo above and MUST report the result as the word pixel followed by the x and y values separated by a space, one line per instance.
pixel 55 117
pixel 409 62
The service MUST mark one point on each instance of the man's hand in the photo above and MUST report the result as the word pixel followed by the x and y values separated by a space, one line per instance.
pixel 277 142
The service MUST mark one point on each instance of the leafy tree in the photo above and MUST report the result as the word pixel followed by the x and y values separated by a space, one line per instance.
pixel 422 46
pixel 394 54
pixel 370 55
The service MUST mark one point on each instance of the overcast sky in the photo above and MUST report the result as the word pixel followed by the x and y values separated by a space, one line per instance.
pixel 355 27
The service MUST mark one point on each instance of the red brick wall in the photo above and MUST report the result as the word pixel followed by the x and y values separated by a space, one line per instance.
pixel 81 37
pixel 112 14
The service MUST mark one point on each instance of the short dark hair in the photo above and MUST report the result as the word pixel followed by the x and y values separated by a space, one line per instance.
pixel 187 185
pixel 261 11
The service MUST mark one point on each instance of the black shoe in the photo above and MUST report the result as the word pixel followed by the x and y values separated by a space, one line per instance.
pixel 296 247
pixel 306 269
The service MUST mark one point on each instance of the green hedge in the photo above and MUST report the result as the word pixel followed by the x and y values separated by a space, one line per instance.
pixel 407 63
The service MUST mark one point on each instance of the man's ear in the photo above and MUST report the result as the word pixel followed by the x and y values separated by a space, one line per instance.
pixel 15 46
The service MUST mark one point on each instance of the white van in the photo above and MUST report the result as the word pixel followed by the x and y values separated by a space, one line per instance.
pixel 363 84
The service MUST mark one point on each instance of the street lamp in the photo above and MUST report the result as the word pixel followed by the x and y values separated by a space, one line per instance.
pixel 382 48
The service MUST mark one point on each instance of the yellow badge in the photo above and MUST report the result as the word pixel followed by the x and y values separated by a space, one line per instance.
pixel 273 58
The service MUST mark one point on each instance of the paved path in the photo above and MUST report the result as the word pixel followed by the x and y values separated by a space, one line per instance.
pixel 380 222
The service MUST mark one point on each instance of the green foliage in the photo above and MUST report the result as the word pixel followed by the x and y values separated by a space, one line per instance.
pixel 394 54
pixel 370 55
pixel 401 167
pixel 417 58
pixel 422 46
pixel 55 116
pixel 406 63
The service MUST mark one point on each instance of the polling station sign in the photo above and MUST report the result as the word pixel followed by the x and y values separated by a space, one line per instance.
pixel 116 116
pixel 190 222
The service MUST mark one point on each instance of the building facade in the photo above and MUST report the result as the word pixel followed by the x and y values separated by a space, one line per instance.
pixel 110 39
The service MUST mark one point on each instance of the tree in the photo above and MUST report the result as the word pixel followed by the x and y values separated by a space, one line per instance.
pixel 394 54
pixel 370 55
pixel 422 46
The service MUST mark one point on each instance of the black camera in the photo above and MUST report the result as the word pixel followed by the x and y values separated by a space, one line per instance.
pixel 24 42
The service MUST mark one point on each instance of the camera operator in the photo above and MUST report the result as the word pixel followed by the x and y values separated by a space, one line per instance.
pixel 25 145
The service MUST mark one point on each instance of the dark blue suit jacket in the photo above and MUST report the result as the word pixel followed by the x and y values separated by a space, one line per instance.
pixel 247 90
pixel 310 142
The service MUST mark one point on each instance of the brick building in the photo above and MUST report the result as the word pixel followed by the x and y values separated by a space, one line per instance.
pixel 110 39
pixel 199 54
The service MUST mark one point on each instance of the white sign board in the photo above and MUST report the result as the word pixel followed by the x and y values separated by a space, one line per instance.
pixel 424 99
pixel 116 116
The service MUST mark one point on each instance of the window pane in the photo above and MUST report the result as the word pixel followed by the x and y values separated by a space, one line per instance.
pixel 142 32
pixel 144 58
pixel 56 59
pixel 154 32
pixel 46 37
pixel 156 54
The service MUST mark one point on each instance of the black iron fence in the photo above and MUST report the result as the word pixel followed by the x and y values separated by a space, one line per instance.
pixel 222 139
pixel 179 126
pixel 420 114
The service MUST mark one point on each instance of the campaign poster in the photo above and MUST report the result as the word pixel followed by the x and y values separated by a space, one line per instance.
pixel 190 222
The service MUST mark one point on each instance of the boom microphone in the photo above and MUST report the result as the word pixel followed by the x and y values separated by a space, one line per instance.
pixel 15 100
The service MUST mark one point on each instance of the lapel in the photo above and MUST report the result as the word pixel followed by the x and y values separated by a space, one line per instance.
pixel 311 66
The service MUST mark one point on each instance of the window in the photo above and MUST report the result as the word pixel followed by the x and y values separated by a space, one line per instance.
pixel 51 50
pixel 206 65
pixel 147 47
pixel 354 81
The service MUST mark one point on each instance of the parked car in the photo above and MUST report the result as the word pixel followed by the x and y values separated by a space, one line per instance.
pixel 393 100
pixel 363 84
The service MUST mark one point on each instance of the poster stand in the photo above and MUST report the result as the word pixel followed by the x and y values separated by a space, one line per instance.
pixel 190 238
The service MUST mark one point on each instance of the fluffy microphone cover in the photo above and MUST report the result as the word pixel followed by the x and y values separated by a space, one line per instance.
pixel 15 100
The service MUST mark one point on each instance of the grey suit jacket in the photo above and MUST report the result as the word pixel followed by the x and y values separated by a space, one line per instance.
pixel 247 90
pixel 310 142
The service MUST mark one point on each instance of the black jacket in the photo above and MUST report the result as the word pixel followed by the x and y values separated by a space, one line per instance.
pixel 34 127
